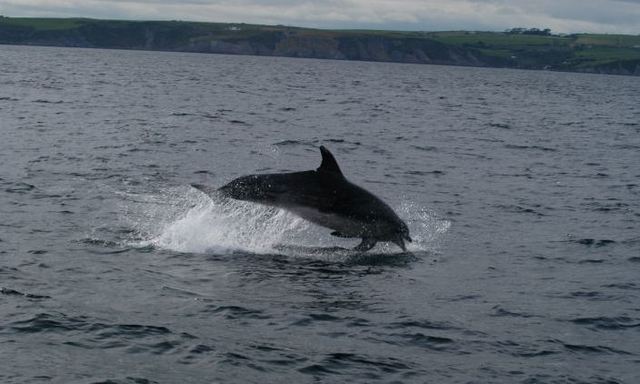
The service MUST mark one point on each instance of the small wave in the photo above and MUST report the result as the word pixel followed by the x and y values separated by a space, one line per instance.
pixel 589 349
pixel 593 242
pixel 590 295
pixel 501 312
pixel 431 339
pixel 470 297
pixel 44 322
pixel 430 342
pixel 20 188
pixel 422 324
pixel 592 261
pixel 234 312
pixel 43 101
pixel 239 122
pixel 544 352
pixel 13 292
pixel 86 332
pixel 315 142
pixel 519 209
pixel 374 367
pixel 292 142
pixel 534 147
pixel 210 116
pixel 380 259
pixel 425 173
pixel 125 380
pixel 594 349
pixel 623 286
pixel 316 318
pixel 8 270
pixel 608 323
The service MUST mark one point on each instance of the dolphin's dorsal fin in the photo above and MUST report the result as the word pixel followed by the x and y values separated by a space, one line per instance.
pixel 329 163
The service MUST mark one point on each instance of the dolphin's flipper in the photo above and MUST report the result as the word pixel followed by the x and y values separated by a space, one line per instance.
pixel 366 244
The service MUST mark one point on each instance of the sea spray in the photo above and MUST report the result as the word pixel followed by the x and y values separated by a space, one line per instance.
pixel 185 220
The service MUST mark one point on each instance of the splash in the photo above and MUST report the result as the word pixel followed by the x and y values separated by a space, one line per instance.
pixel 426 228
pixel 233 226
pixel 185 220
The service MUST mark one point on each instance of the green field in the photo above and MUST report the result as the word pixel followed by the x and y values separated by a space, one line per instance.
pixel 627 41
pixel 43 24
pixel 498 39
pixel 564 52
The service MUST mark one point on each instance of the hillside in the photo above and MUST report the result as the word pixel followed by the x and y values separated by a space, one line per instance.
pixel 611 54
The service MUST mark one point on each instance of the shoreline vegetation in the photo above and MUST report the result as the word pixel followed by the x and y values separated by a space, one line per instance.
pixel 516 48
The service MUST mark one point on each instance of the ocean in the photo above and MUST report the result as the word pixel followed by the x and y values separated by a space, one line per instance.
pixel 521 190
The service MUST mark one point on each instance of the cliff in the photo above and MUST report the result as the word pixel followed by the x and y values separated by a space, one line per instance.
pixel 612 54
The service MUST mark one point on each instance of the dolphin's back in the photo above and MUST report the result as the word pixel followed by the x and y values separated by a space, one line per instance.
pixel 328 200
pixel 288 190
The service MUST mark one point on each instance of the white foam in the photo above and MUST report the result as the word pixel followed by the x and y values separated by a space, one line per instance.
pixel 425 226
pixel 234 226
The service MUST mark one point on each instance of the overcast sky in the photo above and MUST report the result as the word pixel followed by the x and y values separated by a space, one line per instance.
pixel 598 16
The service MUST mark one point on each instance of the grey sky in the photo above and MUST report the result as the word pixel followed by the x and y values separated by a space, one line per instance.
pixel 598 16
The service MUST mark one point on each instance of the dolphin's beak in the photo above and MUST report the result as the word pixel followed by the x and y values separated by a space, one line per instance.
pixel 400 242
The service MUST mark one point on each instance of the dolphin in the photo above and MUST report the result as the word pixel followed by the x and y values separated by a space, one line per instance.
pixel 324 197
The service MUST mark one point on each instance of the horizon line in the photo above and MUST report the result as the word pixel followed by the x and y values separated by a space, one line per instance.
pixel 314 28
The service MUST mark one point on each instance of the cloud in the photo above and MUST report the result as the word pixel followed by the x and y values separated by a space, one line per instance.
pixel 610 16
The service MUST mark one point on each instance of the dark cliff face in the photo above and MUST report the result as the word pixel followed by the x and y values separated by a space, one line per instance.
pixel 404 50
pixel 290 42
pixel 626 67
pixel 106 34
pixel 243 39
pixel 365 48
pixel 143 35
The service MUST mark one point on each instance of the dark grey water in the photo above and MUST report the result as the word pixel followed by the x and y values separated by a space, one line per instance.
pixel 521 190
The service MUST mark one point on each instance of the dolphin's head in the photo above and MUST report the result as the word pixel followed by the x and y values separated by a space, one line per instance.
pixel 401 234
